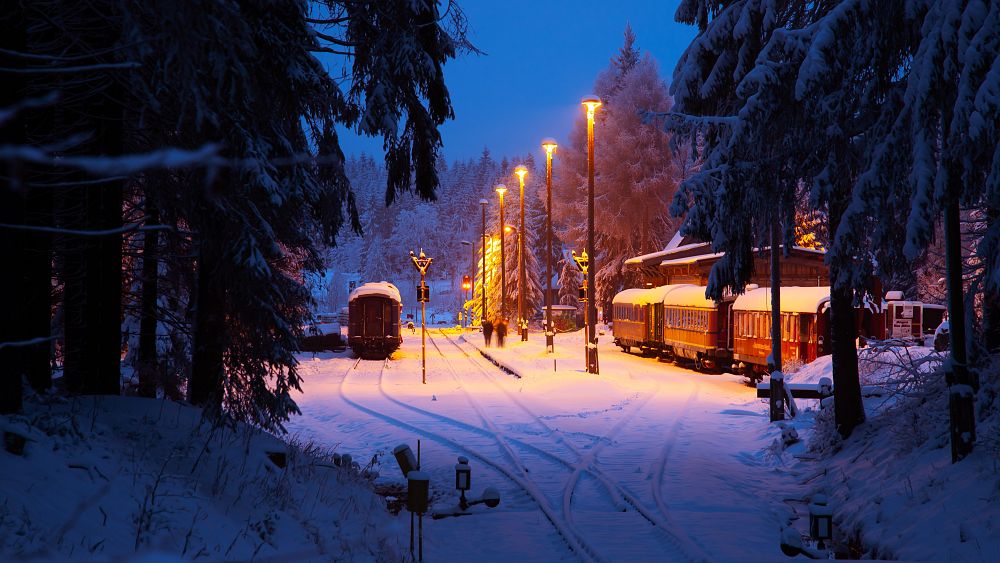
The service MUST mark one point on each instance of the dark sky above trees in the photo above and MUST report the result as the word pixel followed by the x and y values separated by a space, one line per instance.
pixel 540 59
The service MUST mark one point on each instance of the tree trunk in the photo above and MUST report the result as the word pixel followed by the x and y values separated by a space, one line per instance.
pixel 12 205
pixel 148 363
pixel 207 363
pixel 962 420
pixel 93 290
pixel 849 410
pixel 991 296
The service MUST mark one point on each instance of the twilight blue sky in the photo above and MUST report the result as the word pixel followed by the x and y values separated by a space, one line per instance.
pixel 541 57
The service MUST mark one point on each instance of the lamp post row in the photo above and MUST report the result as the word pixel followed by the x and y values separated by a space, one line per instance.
pixel 591 103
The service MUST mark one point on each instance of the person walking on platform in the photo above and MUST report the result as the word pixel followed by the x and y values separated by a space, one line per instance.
pixel 488 332
pixel 501 329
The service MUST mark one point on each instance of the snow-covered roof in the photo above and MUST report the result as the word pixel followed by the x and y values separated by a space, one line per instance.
pixel 793 299
pixel 689 296
pixel 656 294
pixel 630 296
pixel 376 288
pixel 561 308
pixel 676 244
pixel 691 259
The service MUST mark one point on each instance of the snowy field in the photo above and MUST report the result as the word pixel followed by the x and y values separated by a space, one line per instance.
pixel 647 461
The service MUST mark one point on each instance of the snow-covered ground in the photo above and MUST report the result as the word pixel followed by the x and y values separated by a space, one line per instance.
pixel 647 461
pixel 117 478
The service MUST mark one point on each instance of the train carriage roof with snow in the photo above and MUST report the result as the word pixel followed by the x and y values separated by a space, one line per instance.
pixel 688 296
pixel 384 289
pixel 793 299
pixel 630 297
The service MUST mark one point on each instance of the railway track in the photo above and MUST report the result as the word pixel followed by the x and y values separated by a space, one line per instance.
pixel 569 536
pixel 586 460
pixel 548 476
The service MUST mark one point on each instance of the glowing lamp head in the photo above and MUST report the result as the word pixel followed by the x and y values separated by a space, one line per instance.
pixel 591 102
pixel 501 189
pixel 508 229
pixel 549 144
pixel 521 171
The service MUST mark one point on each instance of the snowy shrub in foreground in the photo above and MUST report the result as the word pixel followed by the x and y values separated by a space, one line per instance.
pixel 896 492
pixel 114 476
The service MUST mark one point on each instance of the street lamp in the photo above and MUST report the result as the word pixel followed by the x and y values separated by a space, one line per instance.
pixel 522 322
pixel 502 189
pixel 549 145
pixel 421 263
pixel 483 316
pixel 591 102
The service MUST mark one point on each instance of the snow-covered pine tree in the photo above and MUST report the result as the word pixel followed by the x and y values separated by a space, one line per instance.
pixel 638 174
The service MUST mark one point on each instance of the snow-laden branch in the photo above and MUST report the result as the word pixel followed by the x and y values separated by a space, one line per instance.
pixel 70 69
pixel 30 103
pixel 692 119
pixel 87 233
pixel 116 165
pixel 29 342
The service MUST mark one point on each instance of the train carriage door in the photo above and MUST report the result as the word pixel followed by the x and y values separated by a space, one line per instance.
pixel 807 338
pixel 725 330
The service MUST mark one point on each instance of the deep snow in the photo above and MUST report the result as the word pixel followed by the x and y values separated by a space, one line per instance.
pixel 647 461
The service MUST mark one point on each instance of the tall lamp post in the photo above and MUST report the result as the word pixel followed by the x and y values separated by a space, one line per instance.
pixel 549 145
pixel 482 287
pixel 591 102
pixel 421 262
pixel 522 320
pixel 502 189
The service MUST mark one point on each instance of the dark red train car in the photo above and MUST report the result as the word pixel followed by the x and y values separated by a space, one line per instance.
pixel 373 320
pixel 805 331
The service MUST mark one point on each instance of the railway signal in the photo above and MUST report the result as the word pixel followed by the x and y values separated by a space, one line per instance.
pixel 421 262
pixel 590 349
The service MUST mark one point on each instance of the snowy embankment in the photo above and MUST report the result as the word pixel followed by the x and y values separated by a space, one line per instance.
pixel 892 485
pixel 106 478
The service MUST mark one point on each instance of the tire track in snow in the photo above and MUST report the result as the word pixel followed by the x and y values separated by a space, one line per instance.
pixel 585 552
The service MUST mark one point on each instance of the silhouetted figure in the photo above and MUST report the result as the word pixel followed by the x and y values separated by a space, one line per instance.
pixel 488 332
pixel 501 329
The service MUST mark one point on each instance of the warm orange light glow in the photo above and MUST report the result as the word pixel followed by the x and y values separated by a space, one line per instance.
pixel 549 144
pixel 501 189
pixel 591 102
pixel 520 171
pixel 507 228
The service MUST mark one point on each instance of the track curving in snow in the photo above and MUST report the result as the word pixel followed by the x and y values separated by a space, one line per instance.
pixel 586 460
pixel 569 536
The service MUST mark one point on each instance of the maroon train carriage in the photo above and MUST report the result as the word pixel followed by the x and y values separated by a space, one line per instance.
pixel 694 327
pixel 805 330
pixel 373 320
